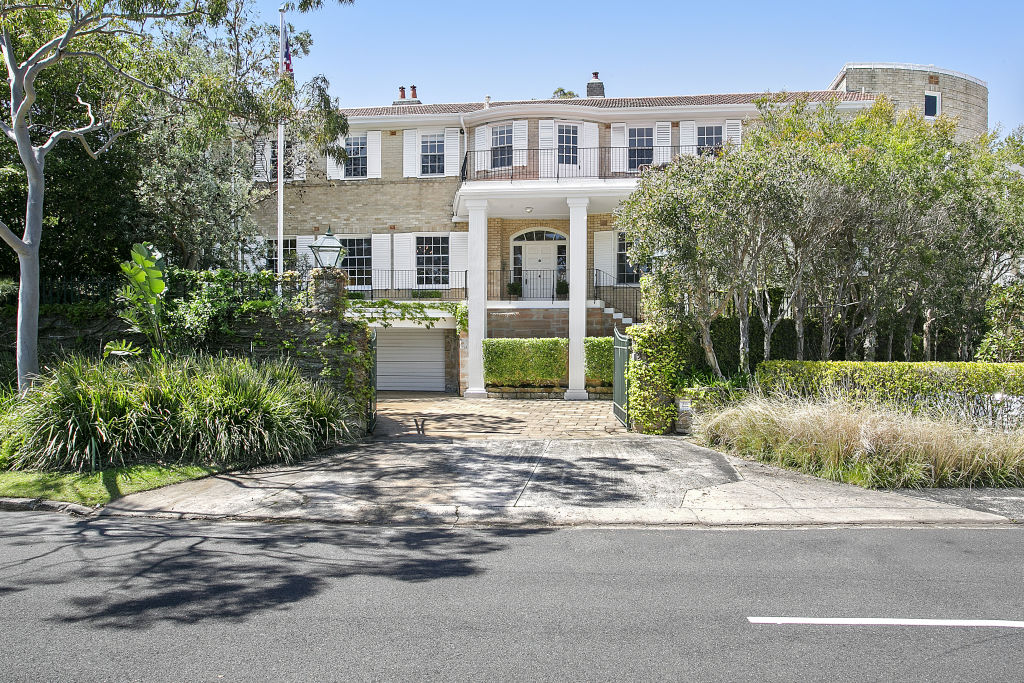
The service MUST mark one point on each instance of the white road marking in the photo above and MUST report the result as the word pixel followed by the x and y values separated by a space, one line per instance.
pixel 877 621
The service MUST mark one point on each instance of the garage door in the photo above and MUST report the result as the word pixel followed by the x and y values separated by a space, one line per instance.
pixel 410 359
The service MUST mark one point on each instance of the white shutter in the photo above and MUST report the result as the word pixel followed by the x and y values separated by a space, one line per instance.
pixel 520 143
pixel 380 260
pixel 302 251
pixel 619 151
pixel 452 152
pixel 373 154
pixel 482 149
pixel 405 261
pixel 688 138
pixel 458 259
pixel 662 142
pixel 411 153
pixel 733 131
pixel 590 161
pixel 254 254
pixel 546 141
pixel 261 161
pixel 605 247
pixel 298 162
pixel 335 171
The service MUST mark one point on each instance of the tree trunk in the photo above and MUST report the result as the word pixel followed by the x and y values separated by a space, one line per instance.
pixel 743 312
pixel 908 339
pixel 826 335
pixel 871 336
pixel 929 324
pixel 709 349
pixel 28 289
pixel 798 322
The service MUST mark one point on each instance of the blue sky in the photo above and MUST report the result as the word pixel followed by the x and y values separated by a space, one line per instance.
pixel 457 51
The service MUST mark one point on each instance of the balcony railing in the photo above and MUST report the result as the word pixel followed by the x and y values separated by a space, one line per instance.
pixel 505 163
pixel 531 285
pixel 624 298
pixel 427 284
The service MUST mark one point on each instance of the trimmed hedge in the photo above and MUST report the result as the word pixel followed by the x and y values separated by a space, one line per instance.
pixel 981 390
pixel 544 362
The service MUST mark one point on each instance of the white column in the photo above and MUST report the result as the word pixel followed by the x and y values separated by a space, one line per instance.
pixel 577 296
pixel 476 297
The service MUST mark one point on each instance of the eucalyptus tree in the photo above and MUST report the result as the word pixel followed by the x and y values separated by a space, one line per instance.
pixel 95 71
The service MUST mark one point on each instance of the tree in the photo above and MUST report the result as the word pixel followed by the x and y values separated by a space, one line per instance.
pixel 563 94
pixel 96 71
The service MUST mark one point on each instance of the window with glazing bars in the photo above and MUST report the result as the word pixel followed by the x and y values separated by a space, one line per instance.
pixel 625 274
pixel 501 146
pixel 568 144
pixel 709 139
pixel 641 147
pixel 357 263
pixel 432 154
pixel 355 147
pixel 291 254
pixel 431 260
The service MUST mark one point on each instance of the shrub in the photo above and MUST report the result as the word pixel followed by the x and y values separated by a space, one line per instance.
pixel 658 361
pixel 1004 309
pixel 8 291
pixel 872 446
pixel 988 391
pixel 600 360
pixel 526 362
pixel 514 288
pixel 224 412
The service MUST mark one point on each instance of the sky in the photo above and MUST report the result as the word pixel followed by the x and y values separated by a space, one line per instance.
pixel 460 51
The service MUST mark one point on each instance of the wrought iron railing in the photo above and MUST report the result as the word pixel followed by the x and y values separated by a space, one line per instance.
pixel 624 298
pixel 571 162
pixel 425 284
pixel 524 284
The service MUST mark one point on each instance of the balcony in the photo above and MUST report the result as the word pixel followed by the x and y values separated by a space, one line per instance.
pixel 425 284
pixel 505 163
pixel 543 285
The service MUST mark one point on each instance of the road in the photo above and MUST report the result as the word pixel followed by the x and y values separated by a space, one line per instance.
pixel 134 599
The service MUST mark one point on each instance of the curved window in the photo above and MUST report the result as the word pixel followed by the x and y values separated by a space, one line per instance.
pixel 539 236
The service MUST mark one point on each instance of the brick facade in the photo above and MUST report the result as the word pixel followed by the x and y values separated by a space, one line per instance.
pixel 524 323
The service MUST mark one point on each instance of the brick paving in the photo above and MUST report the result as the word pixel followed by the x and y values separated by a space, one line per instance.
pixel 460 418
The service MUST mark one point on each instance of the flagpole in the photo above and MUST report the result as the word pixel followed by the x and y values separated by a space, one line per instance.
pixel 280 163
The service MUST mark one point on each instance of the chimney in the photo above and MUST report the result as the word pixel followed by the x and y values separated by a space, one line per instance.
pixel 412 93
pixel 595 88
pixel 401 96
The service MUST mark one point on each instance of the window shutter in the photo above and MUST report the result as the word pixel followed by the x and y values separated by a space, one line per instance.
pixel 546 142
pixel 254 254
pixel 589 154
pixel 605 246
pixel 411 153
pixel 458 258
pixel 405 260
pixel 302 251
pixel 373 154
pixel 619 150
pixel 452 152
pixel 482 149
pixel 298 162
pixel 261 158
pixel 547 134
pixel 662 142
pixel 380 260
pixel 335 171
pixel 688 138
pixel 520 143
pixel 733 131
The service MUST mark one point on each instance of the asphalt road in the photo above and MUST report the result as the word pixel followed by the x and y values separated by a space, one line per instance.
pixel 133 599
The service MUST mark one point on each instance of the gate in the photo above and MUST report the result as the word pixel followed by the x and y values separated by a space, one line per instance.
pixel 371 408
pixel 620 398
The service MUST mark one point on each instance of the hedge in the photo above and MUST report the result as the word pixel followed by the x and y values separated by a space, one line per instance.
pixel 659 358
pixel 544 362
pixel 982 390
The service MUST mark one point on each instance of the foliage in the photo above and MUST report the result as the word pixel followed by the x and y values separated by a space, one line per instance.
pixel 222 412
pixel 8 291
pixel 868 445
pixel 386 312
pixel 535 362
pixel 514 288
pixel 561 289
pixel 563 94
pixel 991 392
pixel 97 488
pixel 426 294
pixel 206 302
pixel 1004 341
pixel 121 348
pixel 74 313
pixel 599 360
pixel 652 376
pixel 143 296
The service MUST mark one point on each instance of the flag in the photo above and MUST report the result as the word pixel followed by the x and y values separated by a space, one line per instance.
pixel 287 57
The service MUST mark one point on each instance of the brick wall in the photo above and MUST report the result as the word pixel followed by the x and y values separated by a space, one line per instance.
pixel 501 230
pixel 524 323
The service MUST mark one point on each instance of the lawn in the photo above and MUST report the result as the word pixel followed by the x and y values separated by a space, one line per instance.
pixel 96 488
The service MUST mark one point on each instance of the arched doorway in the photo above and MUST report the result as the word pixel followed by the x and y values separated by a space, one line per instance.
pixel 540 259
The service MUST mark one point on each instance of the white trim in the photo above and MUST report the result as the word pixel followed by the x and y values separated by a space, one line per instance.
pixel 938 104
pixel 901 66
pixel 419 151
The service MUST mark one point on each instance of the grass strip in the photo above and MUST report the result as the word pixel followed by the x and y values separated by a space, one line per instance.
pixel 97 488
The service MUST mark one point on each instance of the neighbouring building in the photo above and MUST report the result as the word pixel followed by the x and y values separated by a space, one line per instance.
pixel 508 206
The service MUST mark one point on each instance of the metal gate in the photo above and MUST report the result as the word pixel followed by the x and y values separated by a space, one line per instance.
pixel 620 397
pixel 371 409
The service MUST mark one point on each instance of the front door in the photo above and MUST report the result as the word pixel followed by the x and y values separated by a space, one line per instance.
pixel 539 270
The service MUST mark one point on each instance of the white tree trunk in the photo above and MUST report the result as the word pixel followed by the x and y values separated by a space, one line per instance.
pixel 28 290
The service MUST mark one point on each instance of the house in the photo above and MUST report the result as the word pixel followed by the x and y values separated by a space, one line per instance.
pixel 508 206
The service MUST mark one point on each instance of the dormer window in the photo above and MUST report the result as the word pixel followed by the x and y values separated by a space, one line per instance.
pixel 501 146
pixel 932 104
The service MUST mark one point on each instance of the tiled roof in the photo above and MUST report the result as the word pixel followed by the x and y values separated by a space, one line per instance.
pixel 611 102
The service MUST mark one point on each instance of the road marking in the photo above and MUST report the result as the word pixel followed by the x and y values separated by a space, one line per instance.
pixel 877 621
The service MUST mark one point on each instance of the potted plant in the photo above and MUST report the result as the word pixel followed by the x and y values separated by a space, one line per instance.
pixel 562 289
pixel 514 290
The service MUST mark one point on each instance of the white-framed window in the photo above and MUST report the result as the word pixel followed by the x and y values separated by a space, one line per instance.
pixel 358 261
pixel 709 138
pixel 641 146
pixel 431 260
pixel 625 274
pixel 291 253
pixel 355 147
pixel 932 104
pixel 568 144
pixel 501 145
pixel 432 154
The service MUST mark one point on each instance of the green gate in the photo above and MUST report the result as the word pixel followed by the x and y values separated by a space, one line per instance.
pixel 371 409
pixel 620 398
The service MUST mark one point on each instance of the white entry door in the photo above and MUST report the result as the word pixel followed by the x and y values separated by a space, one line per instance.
pixel 410 359
pixel 539 270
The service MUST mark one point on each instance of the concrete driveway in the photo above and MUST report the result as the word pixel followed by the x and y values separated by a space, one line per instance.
pixel 612 480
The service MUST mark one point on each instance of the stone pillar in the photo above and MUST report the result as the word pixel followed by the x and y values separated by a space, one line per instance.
pixel 476 297
pixel 577 297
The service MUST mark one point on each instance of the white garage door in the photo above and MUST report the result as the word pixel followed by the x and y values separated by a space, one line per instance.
pixel 410 359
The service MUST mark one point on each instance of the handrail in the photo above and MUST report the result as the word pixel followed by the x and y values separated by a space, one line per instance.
pixel 560 163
